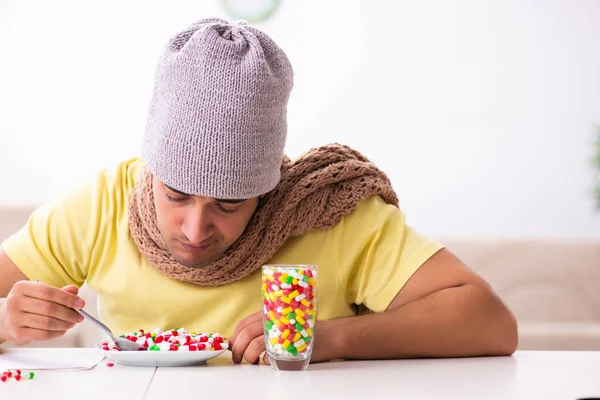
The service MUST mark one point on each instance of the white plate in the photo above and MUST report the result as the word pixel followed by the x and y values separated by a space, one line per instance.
pixel 161 358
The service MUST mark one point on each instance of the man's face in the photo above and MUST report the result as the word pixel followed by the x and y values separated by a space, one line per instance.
pixel 197 230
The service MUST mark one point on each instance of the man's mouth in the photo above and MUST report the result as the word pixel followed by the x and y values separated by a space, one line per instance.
pixel 196 248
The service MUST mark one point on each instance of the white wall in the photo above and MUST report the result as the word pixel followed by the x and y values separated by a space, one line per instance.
pixel 482 112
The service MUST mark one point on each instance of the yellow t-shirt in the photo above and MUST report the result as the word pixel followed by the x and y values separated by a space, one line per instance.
pixel 83 236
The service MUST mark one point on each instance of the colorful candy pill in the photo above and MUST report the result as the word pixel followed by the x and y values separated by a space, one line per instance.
pixel 173 340
pixel 289 309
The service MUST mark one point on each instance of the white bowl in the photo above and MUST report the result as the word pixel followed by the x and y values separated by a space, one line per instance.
pixel 161 358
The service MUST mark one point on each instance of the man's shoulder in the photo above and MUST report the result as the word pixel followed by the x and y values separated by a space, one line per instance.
pixel 123 174
pixel 109 188
pixel 371 215
pixel 370 212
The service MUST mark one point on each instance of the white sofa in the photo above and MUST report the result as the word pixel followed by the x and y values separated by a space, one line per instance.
pixel 550 284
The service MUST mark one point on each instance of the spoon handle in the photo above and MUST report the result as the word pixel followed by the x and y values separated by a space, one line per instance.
pixel 95 321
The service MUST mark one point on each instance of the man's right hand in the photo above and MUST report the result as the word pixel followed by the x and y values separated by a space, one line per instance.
pixel 36 311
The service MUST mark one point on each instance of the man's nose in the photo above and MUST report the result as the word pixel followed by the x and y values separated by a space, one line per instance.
pixel 197 226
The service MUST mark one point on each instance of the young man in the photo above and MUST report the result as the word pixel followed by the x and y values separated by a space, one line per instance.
pixel 177 237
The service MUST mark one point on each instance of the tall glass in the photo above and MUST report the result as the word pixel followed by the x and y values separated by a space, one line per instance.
pixel 289 314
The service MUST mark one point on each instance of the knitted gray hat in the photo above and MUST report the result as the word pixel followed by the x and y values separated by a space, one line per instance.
pixel 217 123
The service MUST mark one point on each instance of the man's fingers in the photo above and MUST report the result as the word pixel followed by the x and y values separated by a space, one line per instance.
pixel 36 306
pixel 249 320
pixel 36 311
pixel 45 292
pixel 70 289
pixel 254 350
pixel 246 336
pixel 45 323
pixel 26 335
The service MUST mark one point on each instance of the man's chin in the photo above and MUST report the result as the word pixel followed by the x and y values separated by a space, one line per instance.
pixel 191 259
pixel 193 262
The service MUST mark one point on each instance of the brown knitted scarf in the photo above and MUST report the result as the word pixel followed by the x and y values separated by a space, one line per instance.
pixel 315 192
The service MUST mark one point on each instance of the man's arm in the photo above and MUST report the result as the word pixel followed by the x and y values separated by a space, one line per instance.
pixel 9 274
pixel 444 310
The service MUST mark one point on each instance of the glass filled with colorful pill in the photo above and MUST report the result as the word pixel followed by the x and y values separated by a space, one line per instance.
pixel 289 313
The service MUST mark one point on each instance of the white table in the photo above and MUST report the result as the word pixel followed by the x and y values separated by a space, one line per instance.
pixel 525 375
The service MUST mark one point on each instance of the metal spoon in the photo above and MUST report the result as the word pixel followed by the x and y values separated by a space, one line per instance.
pixel 121 343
